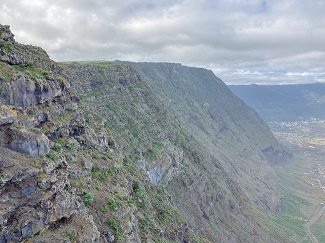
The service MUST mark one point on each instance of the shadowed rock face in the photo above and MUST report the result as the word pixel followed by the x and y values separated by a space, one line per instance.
pixel 28 77
pixel 24 91
pixel 30 143
pixel 35 192
pixel 30 204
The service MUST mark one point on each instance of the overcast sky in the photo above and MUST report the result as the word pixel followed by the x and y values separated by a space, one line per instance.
pixel 242 41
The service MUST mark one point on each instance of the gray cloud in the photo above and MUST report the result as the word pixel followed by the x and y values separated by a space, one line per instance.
pixel 242 41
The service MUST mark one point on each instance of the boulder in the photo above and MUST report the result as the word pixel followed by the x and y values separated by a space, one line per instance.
pixel 30 143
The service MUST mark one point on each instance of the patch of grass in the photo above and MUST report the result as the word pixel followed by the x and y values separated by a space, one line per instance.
pixel 37 165
pixel 2 175
pixel 165 216
pixel 112 204
pixel 88 199
pixel 6 72
pixel 40 178
pixel 290 216
pixel 98 155
pixel 139 195
pixel 64 143
pixel 318 229
pixel 115 226
pixel 71 235
pixel 101 174
pixel 78 183
pixel 144 225
pixel 199 239
pixel 32 71
pixel 8 47
pixel 53 155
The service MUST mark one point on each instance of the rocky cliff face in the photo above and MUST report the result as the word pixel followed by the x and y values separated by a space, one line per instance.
pixel 35 191
pixel 125 152
pixel 185 131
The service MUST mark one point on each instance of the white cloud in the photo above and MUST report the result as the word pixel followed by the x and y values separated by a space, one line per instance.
pixel 242 41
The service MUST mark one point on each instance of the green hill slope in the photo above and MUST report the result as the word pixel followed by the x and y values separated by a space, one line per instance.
pixel 130 152
pixel 186 131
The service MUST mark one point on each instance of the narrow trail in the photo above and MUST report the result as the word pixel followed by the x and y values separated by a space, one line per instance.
pixel 313 220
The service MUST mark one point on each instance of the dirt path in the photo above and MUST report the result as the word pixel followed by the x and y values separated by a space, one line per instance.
pixel 312 221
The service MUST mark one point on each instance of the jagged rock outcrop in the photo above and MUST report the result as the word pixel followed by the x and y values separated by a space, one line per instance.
pixel 35 190
pixel 27 75
pixel 23 91
pixel 29 142
pixel 34 196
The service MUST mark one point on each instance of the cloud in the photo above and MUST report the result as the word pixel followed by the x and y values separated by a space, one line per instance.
pixel 242 41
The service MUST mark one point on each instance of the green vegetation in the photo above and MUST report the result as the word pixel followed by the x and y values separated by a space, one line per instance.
pixel 298 197
pixel 101 174
pixel 35 72
pixel 112 204
pixel 290 215
pixel 97 63
pixel 8 71
pixel 88 199
pixel 71 235
pixel 149 118
pixel 62 143
pixel 115 226
pixel 8 47
pixel 318 229
pixel 53 155
pixel 2 175
pixel 37 165
pixel 41 178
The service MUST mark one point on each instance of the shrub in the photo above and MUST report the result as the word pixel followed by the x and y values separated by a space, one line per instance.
pixel 115 226
pixel 71 235
pixel 88 199
pixel 112 204
pixel 53 156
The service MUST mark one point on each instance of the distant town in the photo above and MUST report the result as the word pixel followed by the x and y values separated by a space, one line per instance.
pixel 309 136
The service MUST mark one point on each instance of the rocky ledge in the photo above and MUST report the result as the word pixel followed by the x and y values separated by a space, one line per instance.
pixel 36 106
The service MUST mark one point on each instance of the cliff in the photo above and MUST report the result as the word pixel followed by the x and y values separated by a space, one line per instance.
pixel 129 152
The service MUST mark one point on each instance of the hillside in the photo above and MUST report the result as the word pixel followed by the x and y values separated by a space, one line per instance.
pixel 195 152
pixel 130 152
pixel 284 102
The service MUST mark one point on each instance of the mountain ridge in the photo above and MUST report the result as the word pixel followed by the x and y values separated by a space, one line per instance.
pixel 284 102
pixel 96 152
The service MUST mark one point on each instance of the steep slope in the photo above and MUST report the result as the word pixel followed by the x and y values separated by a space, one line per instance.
pixel 35 191
pixel 229 131
pixel 284 102
pixel 61 176
pixel 189 134
pixel 127 152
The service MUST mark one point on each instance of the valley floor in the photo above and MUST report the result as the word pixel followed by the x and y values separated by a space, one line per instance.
pixel 302 181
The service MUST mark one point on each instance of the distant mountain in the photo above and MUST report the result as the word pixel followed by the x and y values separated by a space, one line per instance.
pixel 284 102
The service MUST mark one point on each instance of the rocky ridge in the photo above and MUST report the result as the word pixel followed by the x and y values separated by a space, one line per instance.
pixel 35 192
pixel 62 179
pixel 116 163
pixel 212 156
